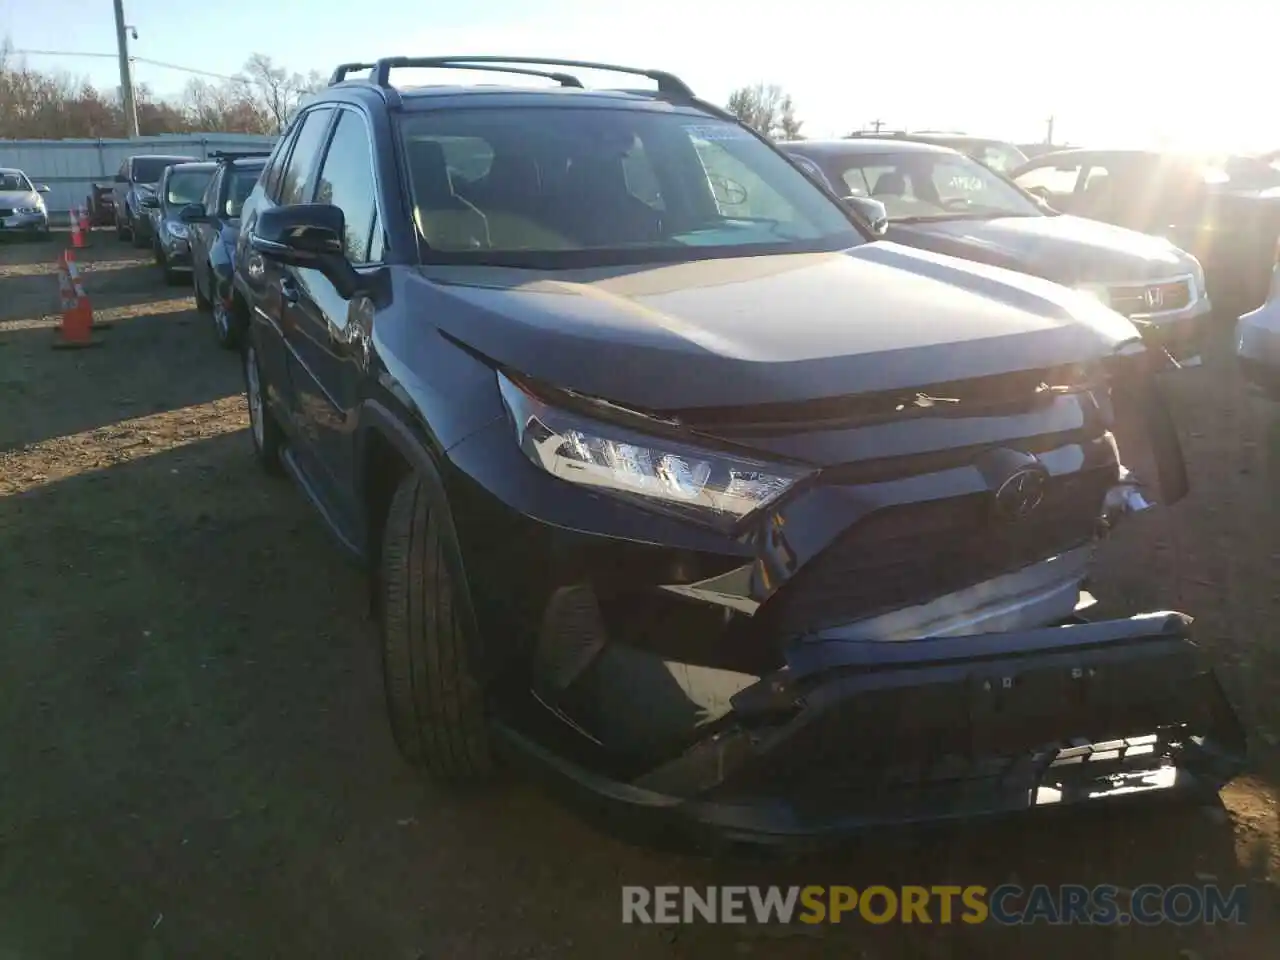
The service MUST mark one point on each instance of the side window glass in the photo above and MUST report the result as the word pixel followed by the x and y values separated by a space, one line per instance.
pixel 299 176
pixel 346 181
pixel 275 166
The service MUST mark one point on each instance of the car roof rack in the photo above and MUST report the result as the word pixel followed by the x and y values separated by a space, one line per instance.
pixel 233 155
pixel 380 72
pixel 564 79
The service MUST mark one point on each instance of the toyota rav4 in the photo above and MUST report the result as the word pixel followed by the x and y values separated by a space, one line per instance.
pixel 675 485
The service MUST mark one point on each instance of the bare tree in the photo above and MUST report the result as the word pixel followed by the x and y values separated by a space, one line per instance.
pixel 768 109
pixel 41 105
pixel 279 92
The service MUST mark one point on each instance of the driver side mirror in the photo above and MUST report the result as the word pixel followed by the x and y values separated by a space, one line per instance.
pixel 308 235
pixel 42 188
pixel 149 202
pixel 872 212
pixel 193 213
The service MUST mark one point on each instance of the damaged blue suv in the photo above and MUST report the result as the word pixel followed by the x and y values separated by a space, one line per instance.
pixel 675 486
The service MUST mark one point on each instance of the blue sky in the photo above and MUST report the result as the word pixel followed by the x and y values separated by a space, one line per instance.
pixel 1115 72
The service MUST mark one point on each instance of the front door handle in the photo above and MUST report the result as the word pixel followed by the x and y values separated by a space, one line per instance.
pixel 288 290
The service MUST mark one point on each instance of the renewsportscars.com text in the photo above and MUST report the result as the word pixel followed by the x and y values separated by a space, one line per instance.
pixel 1007 905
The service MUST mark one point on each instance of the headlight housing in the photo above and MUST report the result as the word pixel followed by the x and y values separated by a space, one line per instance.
pixel 708 486
pixel 178 231
pixel 28 210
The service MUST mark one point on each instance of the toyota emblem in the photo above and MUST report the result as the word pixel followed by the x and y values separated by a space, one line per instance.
pixel 1018 496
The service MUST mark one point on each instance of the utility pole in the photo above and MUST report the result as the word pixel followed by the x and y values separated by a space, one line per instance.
pixel 126 73
pixel 1048 134
pixel 876 125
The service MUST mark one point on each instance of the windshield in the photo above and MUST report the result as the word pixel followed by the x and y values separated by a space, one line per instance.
pixel 927 185
pixel 150 169
pixel 579 187
pixel 14 180
pixel 186 186
pixel 240 185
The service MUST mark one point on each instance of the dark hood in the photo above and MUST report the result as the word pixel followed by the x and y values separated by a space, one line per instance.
pixel 1065 249
pixel 767 329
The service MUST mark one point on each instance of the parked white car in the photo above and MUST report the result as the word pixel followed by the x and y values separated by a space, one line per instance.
pixel 22 206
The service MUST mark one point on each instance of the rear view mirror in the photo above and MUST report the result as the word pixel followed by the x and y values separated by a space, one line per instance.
pixel 308 235
pixel 872 211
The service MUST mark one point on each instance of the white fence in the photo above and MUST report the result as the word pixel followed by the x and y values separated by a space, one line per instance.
pixel 71 167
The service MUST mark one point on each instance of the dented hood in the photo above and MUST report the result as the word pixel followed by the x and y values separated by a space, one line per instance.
pixel 770 329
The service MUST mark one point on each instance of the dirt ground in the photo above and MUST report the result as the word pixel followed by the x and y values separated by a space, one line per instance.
pixel 194 760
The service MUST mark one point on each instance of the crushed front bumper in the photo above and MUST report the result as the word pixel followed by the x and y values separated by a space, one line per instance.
pixel 855 734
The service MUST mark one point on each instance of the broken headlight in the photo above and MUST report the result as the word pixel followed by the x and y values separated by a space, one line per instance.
pixel 671 475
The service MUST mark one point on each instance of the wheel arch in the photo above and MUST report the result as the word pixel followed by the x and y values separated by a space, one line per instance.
pixel 387 449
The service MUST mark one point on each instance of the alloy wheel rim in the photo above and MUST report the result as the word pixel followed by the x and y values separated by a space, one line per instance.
pixel 255 395
pixel 220 316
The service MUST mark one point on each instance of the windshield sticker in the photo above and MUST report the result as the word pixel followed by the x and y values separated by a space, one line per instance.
pixel 717 131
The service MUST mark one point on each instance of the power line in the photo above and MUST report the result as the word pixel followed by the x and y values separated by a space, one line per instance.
pixel 112 56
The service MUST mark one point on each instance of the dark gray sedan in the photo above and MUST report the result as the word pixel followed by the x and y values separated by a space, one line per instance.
pixel 180 185
pixel 938 199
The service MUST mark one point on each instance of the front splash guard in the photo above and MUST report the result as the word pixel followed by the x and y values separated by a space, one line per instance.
pixel 852 735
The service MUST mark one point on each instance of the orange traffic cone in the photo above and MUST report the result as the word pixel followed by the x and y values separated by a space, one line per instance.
pixel 77 238
pixel 77 312
pixel 83 220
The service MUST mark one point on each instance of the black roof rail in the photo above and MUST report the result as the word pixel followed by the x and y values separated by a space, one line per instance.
pixel 564 79
pixel 233 155
pixel 668 83
pixel 340 72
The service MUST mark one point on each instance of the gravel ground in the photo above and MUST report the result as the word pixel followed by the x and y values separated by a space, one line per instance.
pixel 195 761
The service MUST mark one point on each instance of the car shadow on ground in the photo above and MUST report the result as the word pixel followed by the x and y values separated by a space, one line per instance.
pixel 192 698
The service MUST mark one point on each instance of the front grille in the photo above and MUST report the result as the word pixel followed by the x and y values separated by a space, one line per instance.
pixel 1139 299
pixel 6 211
pixel 904 555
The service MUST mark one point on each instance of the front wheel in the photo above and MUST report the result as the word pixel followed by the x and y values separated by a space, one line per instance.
pixel 268 438
pixel 435 703
pixel 135 232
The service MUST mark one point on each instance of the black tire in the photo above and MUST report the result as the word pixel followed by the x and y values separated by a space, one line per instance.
pixel 202 302
pixel 139 240
pixel 434 702
pixel 269 440
pixel 121 232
